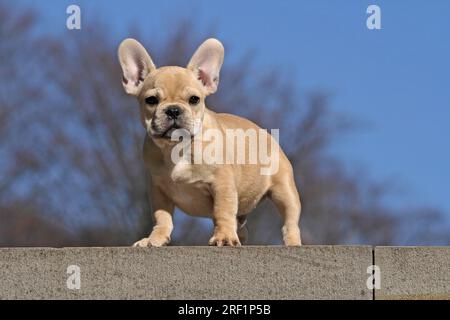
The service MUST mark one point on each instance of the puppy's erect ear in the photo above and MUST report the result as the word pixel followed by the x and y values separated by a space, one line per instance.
pixel 206 63
pixel 136 65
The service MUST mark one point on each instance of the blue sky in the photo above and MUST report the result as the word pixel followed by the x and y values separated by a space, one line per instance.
pixel 395 79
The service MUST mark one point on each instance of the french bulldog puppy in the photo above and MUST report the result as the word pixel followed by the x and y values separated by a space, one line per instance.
pixel 172 99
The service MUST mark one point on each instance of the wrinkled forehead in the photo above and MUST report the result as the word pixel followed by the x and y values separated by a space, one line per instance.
pixel 172 80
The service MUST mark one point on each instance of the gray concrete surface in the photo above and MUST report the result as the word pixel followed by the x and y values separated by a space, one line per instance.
pixel 308 272
pixel 413 272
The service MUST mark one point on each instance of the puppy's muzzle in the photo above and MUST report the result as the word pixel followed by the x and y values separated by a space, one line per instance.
pixel 173 112
pixel 167 120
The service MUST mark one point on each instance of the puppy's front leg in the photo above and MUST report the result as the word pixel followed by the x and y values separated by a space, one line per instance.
pixel 225 212
pixel 163 211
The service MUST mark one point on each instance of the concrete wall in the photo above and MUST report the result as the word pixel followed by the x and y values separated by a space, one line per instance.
pixel 413 272
pixel 308 272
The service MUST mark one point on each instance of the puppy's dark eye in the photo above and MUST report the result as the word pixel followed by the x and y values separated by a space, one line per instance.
pixel 152 100
pixel 194 100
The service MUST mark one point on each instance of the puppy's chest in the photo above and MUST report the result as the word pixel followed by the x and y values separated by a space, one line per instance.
pixel 194 199
pixel 188 188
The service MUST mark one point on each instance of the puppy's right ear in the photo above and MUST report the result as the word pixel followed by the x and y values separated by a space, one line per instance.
pixel 136 65
pixel 206 63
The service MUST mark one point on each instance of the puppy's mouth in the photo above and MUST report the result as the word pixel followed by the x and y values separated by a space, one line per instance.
pixel 165 133
pixel 168 133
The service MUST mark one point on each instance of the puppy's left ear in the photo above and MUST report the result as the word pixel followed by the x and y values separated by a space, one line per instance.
pixel 136 65
pixel 206 63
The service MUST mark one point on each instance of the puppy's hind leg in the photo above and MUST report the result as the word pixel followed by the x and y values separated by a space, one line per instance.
pixel 285 196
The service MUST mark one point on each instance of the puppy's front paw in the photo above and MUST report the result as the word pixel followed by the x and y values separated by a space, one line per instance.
pixel 154 240
pixel 221 238
pixel 142 243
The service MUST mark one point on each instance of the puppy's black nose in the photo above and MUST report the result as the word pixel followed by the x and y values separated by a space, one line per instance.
pixel 173 112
